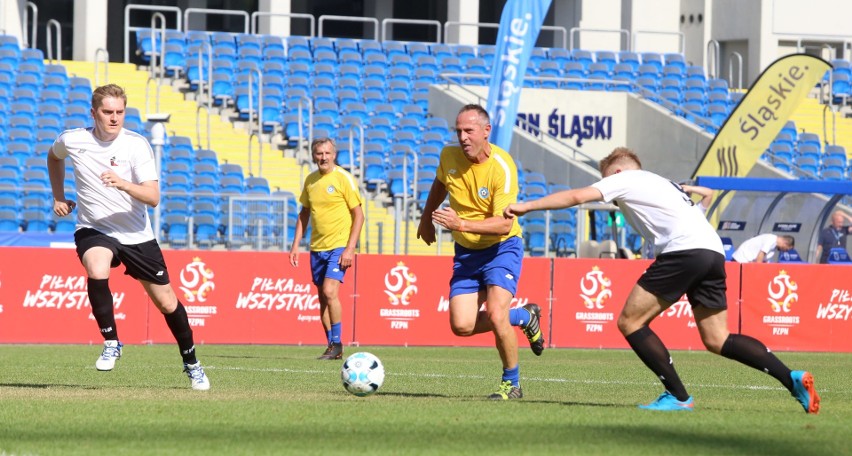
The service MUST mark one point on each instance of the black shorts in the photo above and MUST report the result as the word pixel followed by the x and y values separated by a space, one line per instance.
pixel 142 261
pixel 698 273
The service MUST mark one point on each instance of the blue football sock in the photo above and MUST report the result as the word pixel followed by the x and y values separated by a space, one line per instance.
pixel 519 316
pixel 335 333
pixel 513 375
pixel 328 336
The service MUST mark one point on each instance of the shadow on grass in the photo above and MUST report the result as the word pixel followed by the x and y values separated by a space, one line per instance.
pixel 415 395
pixel 46 385
pixel 213 355
pixel 708 441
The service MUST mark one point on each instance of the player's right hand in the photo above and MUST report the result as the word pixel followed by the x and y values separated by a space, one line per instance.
pixel 426 231
pixel 513 210
pixel 63 208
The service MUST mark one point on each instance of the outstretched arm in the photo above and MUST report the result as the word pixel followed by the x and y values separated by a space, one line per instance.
pixel 705 193
pixel 559 200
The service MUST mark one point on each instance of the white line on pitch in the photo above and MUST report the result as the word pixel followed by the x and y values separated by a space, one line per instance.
pixel 528 379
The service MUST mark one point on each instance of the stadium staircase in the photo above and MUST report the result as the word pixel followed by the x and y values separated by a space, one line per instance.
pixel 231 146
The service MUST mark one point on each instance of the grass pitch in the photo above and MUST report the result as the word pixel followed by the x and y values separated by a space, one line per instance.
pixel 280 400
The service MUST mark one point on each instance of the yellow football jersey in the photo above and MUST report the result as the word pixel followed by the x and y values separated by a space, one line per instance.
pixel 479 191
pixel 330 197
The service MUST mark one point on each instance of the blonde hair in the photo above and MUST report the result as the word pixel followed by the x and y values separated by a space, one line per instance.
pixel 619 155
pixel 107 91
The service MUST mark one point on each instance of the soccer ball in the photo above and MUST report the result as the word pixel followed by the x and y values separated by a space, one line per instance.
pixel 362 374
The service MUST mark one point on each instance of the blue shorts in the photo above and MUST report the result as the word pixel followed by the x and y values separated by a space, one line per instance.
pixel 326 265
pixel 499 265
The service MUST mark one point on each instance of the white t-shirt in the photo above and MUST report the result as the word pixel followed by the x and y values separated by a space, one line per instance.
pixel 748 250
pixel 108 209
pixel 660 211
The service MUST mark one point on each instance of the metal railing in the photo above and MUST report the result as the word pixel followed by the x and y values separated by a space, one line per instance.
pixel 156 56
pixel 255 18
pixel 625 33
pixel 33 41
pixel 209 11
pixel 310 106
pixel 128 28
pixel 53 24
pixel 260 221
pixel 552 28
pixel 739 59
pixel 370 20
pixel 389 21
pixel 206 82
pixel 844 40
pixel 403 214
pixel 681 41
pixel 576 154
pixel 258 111
pixel 101 55
pixel 713 62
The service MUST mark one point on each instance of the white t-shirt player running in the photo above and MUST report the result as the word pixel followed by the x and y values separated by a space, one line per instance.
pixel 108 209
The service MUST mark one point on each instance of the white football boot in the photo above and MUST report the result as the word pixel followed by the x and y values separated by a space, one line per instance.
pixel 112 352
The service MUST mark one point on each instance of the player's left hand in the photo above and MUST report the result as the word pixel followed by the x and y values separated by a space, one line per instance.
pixel 514 210
pixel 346 259
pixel 111 179
pixel 447 218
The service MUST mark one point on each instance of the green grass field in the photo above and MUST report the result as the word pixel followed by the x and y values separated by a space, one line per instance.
pixel 280 400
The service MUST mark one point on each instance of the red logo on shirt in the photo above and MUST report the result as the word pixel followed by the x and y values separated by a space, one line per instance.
pixel 112 161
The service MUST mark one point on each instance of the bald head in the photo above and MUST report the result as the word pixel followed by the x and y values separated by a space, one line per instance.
pixel 837 219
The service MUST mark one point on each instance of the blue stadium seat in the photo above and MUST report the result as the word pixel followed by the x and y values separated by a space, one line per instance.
pixel 838 255
pixel 811 139
pixel 583 57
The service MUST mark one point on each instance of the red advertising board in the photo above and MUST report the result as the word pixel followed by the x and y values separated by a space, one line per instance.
pixel 249 298
pixel 798 306
pixel 588 295
pixel 43 299
pixel 404 300
pixel 258 298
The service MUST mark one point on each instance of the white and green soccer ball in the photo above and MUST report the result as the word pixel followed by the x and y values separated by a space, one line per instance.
pixel 362 374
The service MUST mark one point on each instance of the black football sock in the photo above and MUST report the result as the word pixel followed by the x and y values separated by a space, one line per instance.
pixel 179 324
pixel 654 354
pixel 100 298
pixel 752 352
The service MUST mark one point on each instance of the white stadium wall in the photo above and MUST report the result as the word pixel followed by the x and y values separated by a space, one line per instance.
pixel 592 122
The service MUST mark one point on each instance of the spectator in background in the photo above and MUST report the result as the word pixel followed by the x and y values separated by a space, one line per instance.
pixel 833 235
pixel 332 203
pixel 762 248
pixel 705 193
pixel 117 180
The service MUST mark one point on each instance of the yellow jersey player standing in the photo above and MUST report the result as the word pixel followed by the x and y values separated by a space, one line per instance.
pixel 481 180
pixel 331 201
